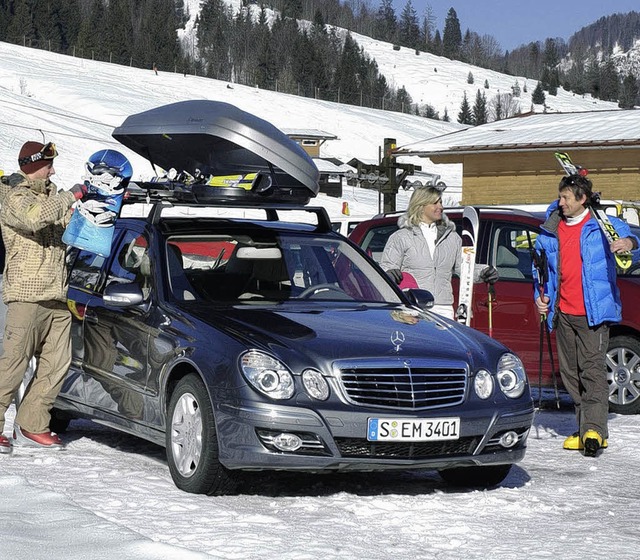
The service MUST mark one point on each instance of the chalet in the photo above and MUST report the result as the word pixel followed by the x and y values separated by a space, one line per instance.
pixel 512 161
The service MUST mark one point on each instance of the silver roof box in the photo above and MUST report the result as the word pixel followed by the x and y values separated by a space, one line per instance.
pixel 222 153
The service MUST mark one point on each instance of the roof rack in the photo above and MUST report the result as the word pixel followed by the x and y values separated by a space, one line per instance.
pixel 162 196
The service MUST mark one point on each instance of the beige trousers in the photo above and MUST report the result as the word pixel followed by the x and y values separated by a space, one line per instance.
pixel 34 329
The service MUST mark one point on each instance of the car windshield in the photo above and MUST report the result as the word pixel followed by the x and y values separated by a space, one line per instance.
pixel 269 266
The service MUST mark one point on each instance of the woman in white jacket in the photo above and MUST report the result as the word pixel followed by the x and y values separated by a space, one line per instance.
pixel 428 247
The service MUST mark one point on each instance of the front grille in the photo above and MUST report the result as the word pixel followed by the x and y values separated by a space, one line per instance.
pixel 405 387
pixel 352 447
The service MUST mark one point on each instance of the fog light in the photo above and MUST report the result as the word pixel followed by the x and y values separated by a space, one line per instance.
pixel 287 442
pixel 508 439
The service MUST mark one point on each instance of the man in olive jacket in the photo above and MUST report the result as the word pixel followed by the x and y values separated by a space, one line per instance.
pixel 33 216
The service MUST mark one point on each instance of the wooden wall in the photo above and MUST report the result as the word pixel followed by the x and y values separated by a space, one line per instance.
pixel 533 177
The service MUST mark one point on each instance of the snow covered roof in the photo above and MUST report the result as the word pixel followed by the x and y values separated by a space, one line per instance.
pixel 308 133
pixel 589 129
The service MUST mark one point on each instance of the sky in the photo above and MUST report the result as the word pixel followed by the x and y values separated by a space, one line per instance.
pixel 109 495
pixel 517 22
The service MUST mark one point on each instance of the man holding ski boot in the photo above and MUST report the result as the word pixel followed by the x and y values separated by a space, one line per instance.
pixel 581 300
pixel 33 216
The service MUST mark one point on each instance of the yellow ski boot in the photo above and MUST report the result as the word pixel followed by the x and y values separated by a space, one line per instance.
pixel 592 441
pixel 574 442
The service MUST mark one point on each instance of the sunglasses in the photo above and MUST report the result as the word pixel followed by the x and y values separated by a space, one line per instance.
pixel 48 152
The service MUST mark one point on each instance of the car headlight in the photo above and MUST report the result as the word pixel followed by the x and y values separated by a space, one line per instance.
pixel 315 384
pixel 483 384
pixel 267 375
pixel 512 377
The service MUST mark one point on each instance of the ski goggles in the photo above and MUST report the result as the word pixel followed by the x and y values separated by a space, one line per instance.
pixel 48 152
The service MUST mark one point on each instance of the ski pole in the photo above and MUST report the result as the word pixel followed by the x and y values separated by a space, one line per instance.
pixel 491 292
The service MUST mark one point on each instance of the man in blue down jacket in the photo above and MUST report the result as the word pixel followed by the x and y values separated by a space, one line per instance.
pixel 580 299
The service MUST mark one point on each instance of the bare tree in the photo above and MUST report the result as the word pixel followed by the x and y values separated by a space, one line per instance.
pixel 503 106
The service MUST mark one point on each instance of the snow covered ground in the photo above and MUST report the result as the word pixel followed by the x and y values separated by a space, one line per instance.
pixel 109 495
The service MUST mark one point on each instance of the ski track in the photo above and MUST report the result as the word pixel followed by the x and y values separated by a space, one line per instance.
pixel 574 502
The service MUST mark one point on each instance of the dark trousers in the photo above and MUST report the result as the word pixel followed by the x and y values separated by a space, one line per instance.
pixel 581 357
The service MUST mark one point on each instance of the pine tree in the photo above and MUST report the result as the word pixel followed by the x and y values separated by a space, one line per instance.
pixel 480 115
pixel 470 79
pixel 628 92
pixel 21 30
pixel 386 22
pixel 538 97
pixel 465 116
pixel 408 28
pixel 213 34
pixel 452 36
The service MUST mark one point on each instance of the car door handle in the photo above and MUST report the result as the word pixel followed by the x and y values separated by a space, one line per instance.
pixel 91 318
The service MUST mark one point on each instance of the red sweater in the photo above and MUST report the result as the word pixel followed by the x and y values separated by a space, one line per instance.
pixel 571 294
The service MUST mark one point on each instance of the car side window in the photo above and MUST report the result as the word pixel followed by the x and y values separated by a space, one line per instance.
pixel 85 273
pixel 376 239
pixel 510 251
pixel 132 262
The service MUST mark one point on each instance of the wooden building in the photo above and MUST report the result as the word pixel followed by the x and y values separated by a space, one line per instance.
pixel 512 161
pixel 309 140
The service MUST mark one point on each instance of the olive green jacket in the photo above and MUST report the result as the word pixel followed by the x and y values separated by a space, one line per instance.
pixel 33 216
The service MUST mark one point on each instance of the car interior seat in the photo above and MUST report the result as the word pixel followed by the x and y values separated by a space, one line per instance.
pixel 180 285
pixel 507 263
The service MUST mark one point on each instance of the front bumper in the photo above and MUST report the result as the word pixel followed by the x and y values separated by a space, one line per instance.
pixel 336 440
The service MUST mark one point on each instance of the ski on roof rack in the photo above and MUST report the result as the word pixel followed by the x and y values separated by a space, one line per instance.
pixel 156 197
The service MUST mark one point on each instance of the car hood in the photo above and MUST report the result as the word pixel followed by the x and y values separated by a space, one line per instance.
pixel 325 333
pixel 213 139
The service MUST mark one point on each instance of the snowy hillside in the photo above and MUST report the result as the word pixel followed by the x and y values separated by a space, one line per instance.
pixel 438 81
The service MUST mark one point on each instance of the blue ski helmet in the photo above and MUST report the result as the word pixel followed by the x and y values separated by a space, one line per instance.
pixel 111 162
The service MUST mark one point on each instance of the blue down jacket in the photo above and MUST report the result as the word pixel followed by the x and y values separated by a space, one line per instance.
pixel 601 294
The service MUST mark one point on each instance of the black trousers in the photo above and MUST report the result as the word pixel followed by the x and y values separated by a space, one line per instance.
pixel 581 357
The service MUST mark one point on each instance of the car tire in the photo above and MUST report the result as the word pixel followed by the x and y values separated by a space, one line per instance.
pixel 191 441
pixel 623 374
pixel 475 477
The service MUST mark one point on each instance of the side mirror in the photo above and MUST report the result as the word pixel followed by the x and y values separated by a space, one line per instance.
pixel 123 295
pixel 419 298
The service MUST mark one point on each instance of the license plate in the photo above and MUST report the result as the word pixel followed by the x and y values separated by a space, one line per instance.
pixel 413 429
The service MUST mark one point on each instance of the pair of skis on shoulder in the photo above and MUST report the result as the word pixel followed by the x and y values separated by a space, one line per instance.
pixel 470 228
pixel 623 260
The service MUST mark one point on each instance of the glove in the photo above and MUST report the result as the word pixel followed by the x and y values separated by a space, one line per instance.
pixel 395 274
pixel 78 190
pixel 489 275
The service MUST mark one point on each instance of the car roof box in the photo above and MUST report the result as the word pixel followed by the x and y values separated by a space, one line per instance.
pixel 223 153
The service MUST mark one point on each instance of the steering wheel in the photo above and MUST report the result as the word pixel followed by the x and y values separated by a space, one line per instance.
pixel 327 287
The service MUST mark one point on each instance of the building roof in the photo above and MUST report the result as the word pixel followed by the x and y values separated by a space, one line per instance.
pixel 310 133
pixel 536 131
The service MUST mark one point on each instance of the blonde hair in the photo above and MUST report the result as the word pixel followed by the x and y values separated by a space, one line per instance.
pixel 419 199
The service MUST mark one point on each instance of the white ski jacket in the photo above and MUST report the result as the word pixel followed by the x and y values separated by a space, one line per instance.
pixel 407 250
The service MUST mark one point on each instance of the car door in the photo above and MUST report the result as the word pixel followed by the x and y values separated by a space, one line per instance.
pixel 514 319
pixel 116 339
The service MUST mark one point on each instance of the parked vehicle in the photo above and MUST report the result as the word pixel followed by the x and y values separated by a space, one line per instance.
pixel 257 344
pixel 504 241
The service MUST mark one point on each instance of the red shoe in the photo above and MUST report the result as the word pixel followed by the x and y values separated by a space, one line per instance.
pixel 47 440
pixel 5 444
